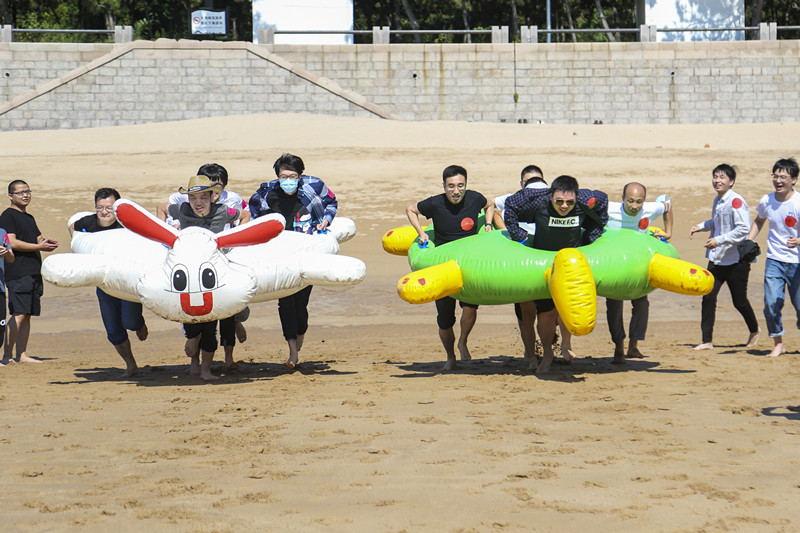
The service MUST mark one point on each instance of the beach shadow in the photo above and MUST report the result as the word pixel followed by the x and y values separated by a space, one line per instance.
pixel 790 412
pixel 508 365
pixel 175 375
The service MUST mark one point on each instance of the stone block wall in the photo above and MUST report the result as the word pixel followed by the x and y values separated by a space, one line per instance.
pixel 47 86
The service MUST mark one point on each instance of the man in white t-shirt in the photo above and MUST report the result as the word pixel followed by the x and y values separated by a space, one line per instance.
pixel 782 209
pixel 635 214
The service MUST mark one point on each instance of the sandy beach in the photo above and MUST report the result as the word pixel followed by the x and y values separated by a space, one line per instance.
pixel 368 435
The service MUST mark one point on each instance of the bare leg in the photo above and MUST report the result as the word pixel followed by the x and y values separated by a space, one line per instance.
pixel 300 339
pixel 468 317
pixel 230 364
pixel 778 349
pixel 619 353
pixel 703 346
pixel 566 341
pixel 752 340
pixel 294 356
pixel 205 366
pixel 124 351
pixel 448 339
pixel 19 330
pixel 192 349
pixel 142 333
pixel 527 329
pixel 547 328
pixel 633 350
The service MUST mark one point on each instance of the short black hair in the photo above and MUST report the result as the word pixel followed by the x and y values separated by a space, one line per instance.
pixel 726 169
pixel 106 192
pixel 13 185
pixel 531 169
pixel 789 165
pixel 289 161
pixel 453 170
pixel 214 172
pixel 564 184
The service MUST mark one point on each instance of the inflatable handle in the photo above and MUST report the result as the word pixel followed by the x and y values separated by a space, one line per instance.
pixel 423 244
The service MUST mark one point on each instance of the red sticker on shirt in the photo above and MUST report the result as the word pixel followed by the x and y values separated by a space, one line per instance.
pixel 737 203
pixel 591 202
pixel 467 224
pixel 644 223
pixel 791 221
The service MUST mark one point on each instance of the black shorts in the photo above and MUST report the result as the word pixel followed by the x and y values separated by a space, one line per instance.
pixel 25 295
pixel 446 311
pixel 543 306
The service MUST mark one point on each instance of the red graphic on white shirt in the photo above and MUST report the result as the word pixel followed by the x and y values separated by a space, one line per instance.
pixel 231 211
pixel 467 224
pixel 644 223
pixel 737 203
pixel 790 221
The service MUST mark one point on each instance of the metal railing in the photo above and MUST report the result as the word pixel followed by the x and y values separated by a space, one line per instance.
pixel 121 34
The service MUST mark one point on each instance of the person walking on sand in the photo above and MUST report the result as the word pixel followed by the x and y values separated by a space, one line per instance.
pixel 565 217
pixel 6 256
pixel 635 214
pixel 455 216
pixel 308 206
pixel 24 275
pixel 729 226
pixel 782 209
pixel 118 315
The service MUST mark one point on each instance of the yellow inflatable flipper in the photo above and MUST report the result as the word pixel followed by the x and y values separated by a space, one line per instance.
pixel 397 241
pixel 432 283
pixel 573 290
pixel 679 276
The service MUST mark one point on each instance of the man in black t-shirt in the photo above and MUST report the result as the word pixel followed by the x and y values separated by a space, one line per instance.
pixel 24 275
pixel 566 217
pixel 118 315
pixel 455 216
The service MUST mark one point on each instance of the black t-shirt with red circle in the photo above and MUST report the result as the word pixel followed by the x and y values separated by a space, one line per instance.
pixel 453 221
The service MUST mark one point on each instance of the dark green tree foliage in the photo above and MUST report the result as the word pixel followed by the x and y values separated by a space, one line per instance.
pixel 150 19
pixel 585 14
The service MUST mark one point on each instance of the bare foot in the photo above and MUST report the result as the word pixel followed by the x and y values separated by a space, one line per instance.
pixel 191 347
pixel 568 354
pixel 619 354
pixel 142 332
pixel 703 346
pixel 208 376
pixel 194 367
pixel 241 333
pixel 777 351
pixel 4 362
pixel 634 353
pixel 25 358
pixel 752 340
pixel 533 364
pixel 544 366
pixel 464 352
pixel 450 364
pixel 231 365
pixel 129 372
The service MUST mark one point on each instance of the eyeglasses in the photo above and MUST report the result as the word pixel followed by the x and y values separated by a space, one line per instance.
pixel 101 209
pixel 289 176
pixel 561 201
pixel 452 187
pixel 780 177
pixel 22 193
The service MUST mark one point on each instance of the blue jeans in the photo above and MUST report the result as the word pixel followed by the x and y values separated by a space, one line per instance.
pixel 118 316
pixel 778 276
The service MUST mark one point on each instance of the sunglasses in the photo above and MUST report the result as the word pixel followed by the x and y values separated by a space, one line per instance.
pixel 561 201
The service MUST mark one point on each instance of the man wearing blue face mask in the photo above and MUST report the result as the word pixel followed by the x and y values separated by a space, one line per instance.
pixel 308 207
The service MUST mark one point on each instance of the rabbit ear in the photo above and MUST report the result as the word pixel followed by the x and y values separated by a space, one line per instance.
pixel 261 230
pixel 138 220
